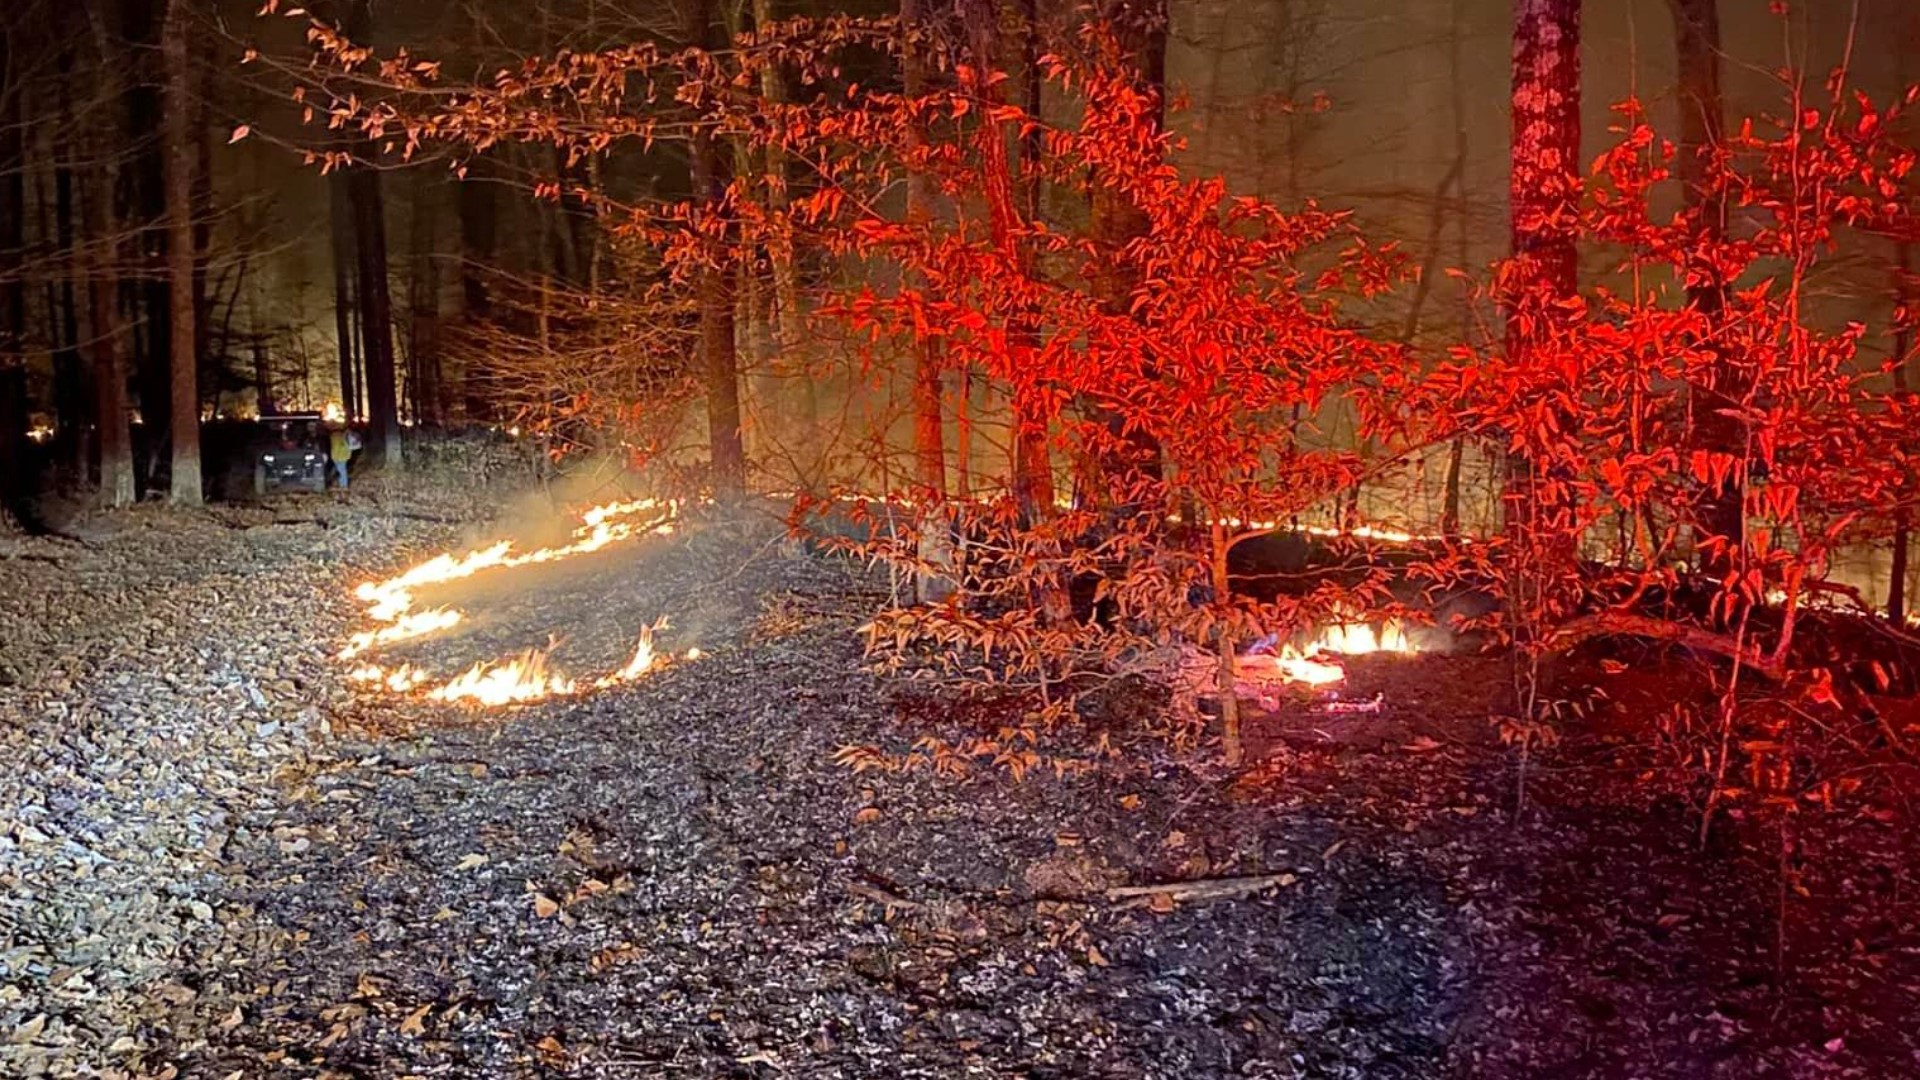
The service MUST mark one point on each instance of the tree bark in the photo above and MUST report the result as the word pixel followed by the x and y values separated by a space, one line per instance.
pixel 184 399
pixel 340 212
pixel 1544 187
pixel 101 223
pixel 1721 527
pixel 1903 363
pixel 714 284
pixel 474 204
pixel 935 582
pixel 1141 29
pixel 376 317
pixel 424 305
pixel 14 480
pixel 788 325
pixel 1032 466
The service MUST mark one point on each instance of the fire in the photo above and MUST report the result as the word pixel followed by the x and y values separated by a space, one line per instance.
pixel 412 624
pixel 1359 639
pixel 528 676
pixel 643 658
pixel 1316 663
pixel 524 678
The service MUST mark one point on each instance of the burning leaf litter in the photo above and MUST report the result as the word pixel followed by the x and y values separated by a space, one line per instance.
pixel 530 675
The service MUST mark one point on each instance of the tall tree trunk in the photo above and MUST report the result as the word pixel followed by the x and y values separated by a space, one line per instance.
pixel 424 303
pixel 69 369
pixel 1903 379
pixel 1140 27
pixel 788 325
pixel 14 480
pixel 376 316
pixel 1721 527
pixel 1032 467
pixel 1543 187
pixel 929 442
pixel 935 583
pixel 340 210
pixel 184 399
pixel 475 204
pixel 715 284
pixel 101 222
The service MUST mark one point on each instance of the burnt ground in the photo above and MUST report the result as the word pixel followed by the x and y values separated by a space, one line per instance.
pixel 673 878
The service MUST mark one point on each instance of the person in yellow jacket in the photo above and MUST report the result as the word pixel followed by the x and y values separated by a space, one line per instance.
pixel 342 444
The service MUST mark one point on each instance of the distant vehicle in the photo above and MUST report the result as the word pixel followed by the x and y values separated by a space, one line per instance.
pixel 290 453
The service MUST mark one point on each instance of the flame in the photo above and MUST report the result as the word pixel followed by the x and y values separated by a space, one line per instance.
pixel 510 682
pixel 412 624
pixel 527 677
pixel 1288 665
pixel 643 660
pixel 1359 639
pixel 399 680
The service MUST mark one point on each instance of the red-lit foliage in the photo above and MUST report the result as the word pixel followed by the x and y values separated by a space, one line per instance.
pixel 1185 414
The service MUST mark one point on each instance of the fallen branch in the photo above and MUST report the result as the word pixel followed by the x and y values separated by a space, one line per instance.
pixel 1612 624
pixel 882 897
pixel 1203 888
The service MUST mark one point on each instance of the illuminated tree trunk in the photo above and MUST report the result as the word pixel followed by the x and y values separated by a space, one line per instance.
pixel 1032 469
pixel 1542 196
pixel 1140 27
pixel 424 306
pixel 184 399
pixel 340 210
pixel 789 328
pixel 376 316
pixel 475 204
pixel 1696 25
pixel 1903 362
pixel 714 286
pixel 929 437
pixel 13 291
pixel 101 225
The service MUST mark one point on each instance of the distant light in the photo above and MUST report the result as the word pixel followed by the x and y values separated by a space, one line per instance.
pixel 332 412
pixel 39 433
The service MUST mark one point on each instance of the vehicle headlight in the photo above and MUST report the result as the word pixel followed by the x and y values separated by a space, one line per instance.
pixel 311 458
pixel 269 459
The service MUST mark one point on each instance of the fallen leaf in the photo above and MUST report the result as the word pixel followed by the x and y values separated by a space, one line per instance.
pixel 544 907
pixel 1161 903
pixel 1095 957
pixel 1130 802
pixel 415 1022
pixel 471 862
pixel 866 815
pixel 1422 744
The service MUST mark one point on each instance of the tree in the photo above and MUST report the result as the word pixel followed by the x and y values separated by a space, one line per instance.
pixel 1139 29
pixel 184 398
pixel 101 224
pixel 714 277
pixel 1717 392
pixel 1543 271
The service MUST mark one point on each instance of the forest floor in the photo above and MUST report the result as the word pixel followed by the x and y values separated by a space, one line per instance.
pixel 673 877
